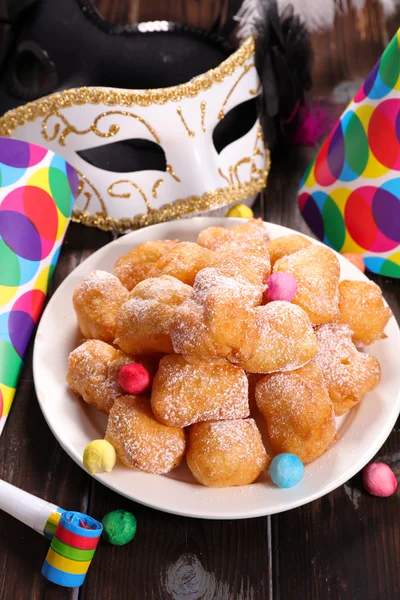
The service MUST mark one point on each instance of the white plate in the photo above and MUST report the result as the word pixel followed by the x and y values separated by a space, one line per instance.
pixel 361 432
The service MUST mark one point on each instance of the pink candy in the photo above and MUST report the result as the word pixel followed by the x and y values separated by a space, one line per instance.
pixel 379 480
pixel 280 286
pixel 356 260
pixel 134 378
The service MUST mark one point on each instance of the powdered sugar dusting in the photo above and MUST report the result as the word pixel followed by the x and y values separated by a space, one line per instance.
pixel 140 441
pixel 285 338
pixel 186 393
pixel 226 450
pixel 317 271
pixel 93 370
pixel 348 373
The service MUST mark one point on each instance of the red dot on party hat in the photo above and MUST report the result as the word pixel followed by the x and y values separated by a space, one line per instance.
pixel 134 378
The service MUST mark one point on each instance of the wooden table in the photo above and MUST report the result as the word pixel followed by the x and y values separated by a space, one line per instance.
pixel 344 546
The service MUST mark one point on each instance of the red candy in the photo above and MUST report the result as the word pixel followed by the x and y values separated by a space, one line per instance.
pixel 379 480
pixel 134 378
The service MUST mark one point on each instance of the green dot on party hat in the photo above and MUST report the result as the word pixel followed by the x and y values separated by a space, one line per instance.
pixel 61 190
pixel 335 230
pixel 119 527
pixel 10 364
pixel 389 67
pixel 356 145
pixel 10 269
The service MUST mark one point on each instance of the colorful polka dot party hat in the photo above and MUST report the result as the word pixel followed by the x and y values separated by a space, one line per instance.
pixel 350 195
pixel 36 199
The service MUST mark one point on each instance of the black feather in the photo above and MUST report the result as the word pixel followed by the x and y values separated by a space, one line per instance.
pixel 283 61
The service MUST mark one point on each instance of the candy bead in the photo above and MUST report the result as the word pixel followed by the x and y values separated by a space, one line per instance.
pixel 356 260
pixel 286 470
pixel 379 480
pixel 119 527
pixel 280 286
pixel 134 378
pixel 240 210
pixel 99 456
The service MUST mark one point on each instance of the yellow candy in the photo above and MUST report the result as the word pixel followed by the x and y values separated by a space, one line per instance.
pixel 240 210
pixel 99 456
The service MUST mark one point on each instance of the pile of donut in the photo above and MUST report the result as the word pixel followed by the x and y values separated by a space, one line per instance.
pixel 187 342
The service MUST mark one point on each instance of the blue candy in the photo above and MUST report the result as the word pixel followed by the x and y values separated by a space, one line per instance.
pixel 286 470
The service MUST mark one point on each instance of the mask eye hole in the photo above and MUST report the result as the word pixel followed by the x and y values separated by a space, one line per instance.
pixel 126 156
pixel 33 74
pixel 236 123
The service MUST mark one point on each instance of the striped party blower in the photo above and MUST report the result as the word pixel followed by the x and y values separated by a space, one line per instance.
pixel 74 536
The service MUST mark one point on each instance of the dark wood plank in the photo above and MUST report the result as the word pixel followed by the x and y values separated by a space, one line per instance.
pixel 342 546
pixel 178 558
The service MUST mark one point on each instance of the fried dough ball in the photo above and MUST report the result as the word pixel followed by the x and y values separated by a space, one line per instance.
pixel 183 261
pixel 285 339
pixel 316 270
pixel 283 246
pixel 217 321
pixel 215 237
pixel 362 308
pixel 140 441
pixel 249 260
pixel 348 373
pixel 97 300
pixel 185 393
pixel 142 323
pixel 93 370
pixel 298 411
pixel 135 266
pixel 226 453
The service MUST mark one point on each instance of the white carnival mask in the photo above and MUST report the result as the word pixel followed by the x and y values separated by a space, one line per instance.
pixel 191 153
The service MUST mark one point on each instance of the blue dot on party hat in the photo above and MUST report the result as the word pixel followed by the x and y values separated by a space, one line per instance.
pixel 286 470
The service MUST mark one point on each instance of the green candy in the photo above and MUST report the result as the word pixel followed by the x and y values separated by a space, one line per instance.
pixel 119 527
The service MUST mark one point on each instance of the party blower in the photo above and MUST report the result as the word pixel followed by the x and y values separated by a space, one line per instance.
pixel 74 536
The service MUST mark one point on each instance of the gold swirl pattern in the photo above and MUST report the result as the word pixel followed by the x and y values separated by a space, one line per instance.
pixel 223 176
pixel 257 151
pixel 246 69
pixel 256 91
pixel 179 209
pixel 203 115
pixel 156 186
pixel 170 170
pixel 188 131
pixel 85 181
pixel 84 95
pixel 242 161
pixel 113 129
pixel 128 195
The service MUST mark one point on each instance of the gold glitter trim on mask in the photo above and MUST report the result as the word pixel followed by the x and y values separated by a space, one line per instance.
pixel 113 129
pixel 176 210
pixel 156 186
pixel 188 131
pixel 170 170
pixel 203 115
pixel 114 97
pixel 246 69
pixel 128 195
